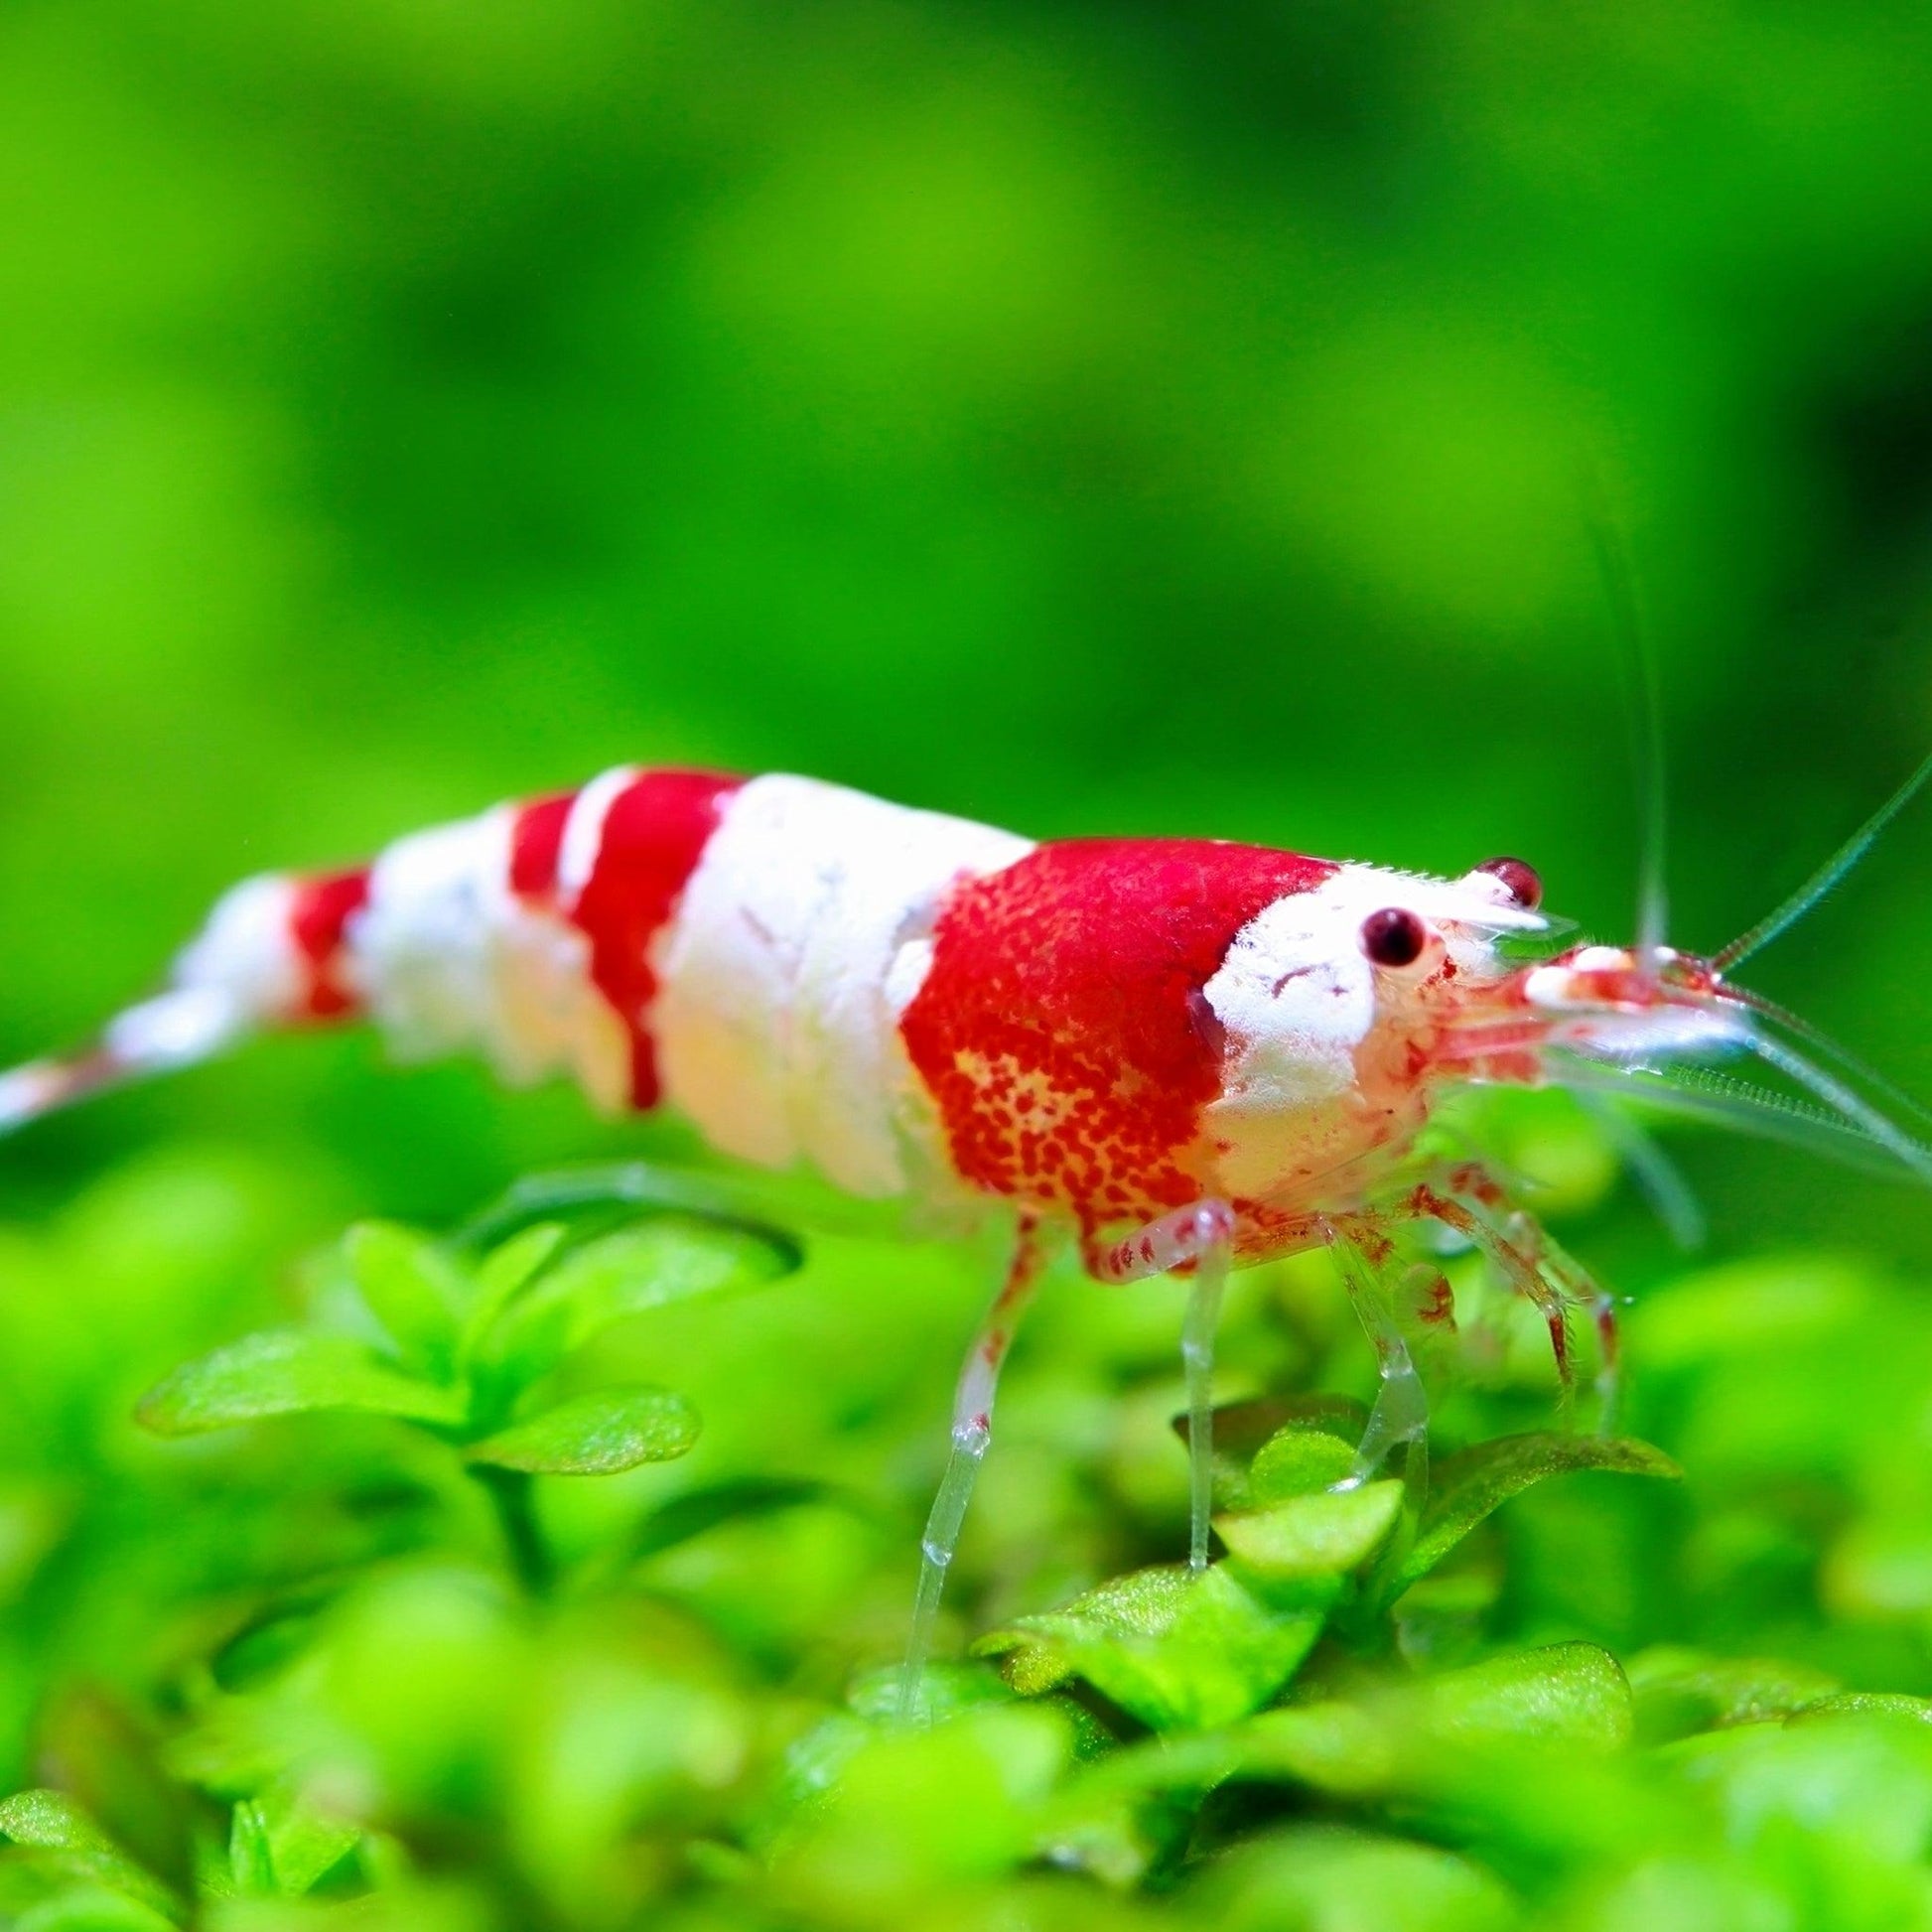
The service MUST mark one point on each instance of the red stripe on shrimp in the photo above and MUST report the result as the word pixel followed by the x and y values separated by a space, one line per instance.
pixel 320 911
pixel 651 839
pixel 536 842
pixel 1062 1032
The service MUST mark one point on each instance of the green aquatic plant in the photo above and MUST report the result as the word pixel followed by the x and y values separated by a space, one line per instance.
pixel 478 1354
pixel 427 1603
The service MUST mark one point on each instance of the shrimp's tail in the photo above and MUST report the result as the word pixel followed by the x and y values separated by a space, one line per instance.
pixel 176 1028
pixel 272 953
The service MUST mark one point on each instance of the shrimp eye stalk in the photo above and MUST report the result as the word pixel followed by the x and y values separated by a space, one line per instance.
pixel 1518 877
pixel 1394 937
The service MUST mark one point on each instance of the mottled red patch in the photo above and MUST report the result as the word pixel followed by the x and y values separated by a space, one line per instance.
pixel 318 918
pixel 1060 1032
pixel 654 834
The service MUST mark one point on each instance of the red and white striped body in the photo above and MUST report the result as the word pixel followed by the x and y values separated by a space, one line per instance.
pixel 1191 1052
pixel 1100 1030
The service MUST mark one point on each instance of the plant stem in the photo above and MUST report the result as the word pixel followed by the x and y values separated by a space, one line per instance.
pixel 511 1492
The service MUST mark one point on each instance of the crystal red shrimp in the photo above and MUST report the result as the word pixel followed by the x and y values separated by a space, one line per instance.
pixel 1185 1052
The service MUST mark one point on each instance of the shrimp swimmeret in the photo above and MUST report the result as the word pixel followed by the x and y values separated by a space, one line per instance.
pixel 1187 1053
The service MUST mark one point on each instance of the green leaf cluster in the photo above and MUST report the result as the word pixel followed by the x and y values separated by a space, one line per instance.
pixel 1309 1550
pixel 336 1634
pixel 460 1347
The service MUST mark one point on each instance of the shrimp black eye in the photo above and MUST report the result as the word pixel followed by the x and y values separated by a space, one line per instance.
pixel 1519 879
pixel 1393 937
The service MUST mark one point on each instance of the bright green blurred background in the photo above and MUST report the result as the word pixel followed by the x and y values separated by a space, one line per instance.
pixel 1089 418
pixel 1101 417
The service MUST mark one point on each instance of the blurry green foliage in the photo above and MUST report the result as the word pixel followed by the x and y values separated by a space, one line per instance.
pixel 1092 417
pixel 429 1605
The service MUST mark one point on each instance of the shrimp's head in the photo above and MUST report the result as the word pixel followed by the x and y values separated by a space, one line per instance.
pixel 1347 1007
pixel 1619 1004
pixel 1465 985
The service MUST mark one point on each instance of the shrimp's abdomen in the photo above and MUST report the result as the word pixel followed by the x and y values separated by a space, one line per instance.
pixel 526 932
pixel 613 865
pixel 739 948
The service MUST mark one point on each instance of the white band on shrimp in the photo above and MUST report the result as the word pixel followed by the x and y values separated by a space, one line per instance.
pixel 774 1024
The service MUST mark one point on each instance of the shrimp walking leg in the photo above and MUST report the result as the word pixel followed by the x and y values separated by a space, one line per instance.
pixel 1197 1361
pixel 1471 1201
pixel 1364 1253
pixel 1199 1237
pixel 1578 1290
pixel 972 1432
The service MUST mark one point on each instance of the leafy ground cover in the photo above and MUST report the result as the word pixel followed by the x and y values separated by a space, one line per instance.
pixel 552 1573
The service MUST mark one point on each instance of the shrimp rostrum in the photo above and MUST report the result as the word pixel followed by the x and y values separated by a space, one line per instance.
pixel 1183 1054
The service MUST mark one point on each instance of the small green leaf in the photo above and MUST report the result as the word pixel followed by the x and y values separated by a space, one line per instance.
pixel 947 1805
pixel 1130 1810
pixel 1037 1650
pixel 810 1774
pixel 1305 1456
pixel 1118 1838
pixel 1682 1692
pixel 1243 1432
pixel 1345 1748
pixel 698 1510
pixel 1329 1745
pixel 944 1691
pixel 1564 1692
pixel 1172 1648
pixel 1570 1694
pixel 504 1273
pixel 50 1821
pixel 596 1434
pixel 83 1906
pixel 1866 1703
pixel 1306 1537
pixel 672 1258
pixel 249 1864
pixel 303 1845
pixel 412 1288
pixel 1319 1875
pixel 283 1373
pixel 1472 1484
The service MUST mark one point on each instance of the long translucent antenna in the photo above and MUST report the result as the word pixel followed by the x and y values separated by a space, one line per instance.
pixel 1826 879
pixel 1645 711
pixel 1704 1094
pixel 1853 1107
pixel 1832 1053
pixel 45 1087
